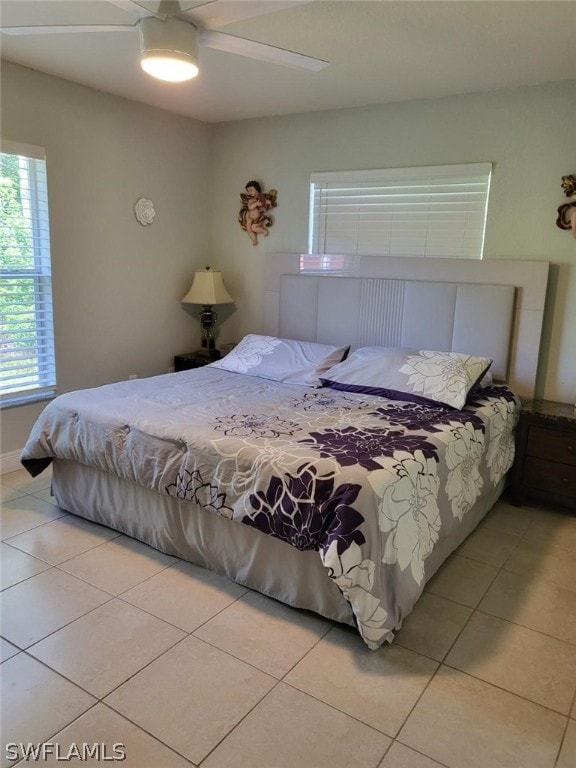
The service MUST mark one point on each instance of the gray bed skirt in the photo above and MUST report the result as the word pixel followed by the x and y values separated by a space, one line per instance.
pixel 239 552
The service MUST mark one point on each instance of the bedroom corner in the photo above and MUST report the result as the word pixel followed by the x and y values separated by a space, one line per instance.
pixel 116 284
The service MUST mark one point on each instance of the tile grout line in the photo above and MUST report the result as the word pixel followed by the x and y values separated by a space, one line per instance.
pixel 188 632
pixel 484 612
pixel 506 690
pixel 68 623
pixel 419 752
pixel 562 740
pixel 141 728
pixel 34 527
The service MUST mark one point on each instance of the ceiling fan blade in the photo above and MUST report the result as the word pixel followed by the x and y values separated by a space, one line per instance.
pixel 188 6
pixel 67 29
pixel 218 13
pixel 165 9
pixel 259 51
pixel 151 6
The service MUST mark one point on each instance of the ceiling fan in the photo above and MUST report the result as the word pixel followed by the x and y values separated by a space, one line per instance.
pixel 171 31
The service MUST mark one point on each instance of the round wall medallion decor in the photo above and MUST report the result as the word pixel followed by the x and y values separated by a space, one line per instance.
pixel 144 210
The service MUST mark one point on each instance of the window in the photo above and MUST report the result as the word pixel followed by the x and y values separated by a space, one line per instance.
pixel 26 327
pixel 436 211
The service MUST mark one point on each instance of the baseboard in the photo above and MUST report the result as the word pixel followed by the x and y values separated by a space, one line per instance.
pixel 10 462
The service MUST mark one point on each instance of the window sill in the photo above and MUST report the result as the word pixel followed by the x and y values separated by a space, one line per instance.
pixel 18 400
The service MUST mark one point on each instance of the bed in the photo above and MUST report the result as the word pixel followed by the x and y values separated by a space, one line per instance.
pixel 328 494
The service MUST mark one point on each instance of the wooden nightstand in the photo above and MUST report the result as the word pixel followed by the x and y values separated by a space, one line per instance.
pixel 545 465
pixel 194 360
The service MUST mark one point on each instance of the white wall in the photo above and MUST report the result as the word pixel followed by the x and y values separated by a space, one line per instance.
pixel 116 284
pixel 527 133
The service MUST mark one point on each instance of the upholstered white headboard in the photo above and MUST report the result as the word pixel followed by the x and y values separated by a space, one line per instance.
pixel 489 308
pixel 360 311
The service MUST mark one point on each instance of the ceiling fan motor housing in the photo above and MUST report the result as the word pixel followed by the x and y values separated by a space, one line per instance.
pixel 172 40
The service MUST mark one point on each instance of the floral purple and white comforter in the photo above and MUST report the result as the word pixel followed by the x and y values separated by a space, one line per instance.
pixel 371 484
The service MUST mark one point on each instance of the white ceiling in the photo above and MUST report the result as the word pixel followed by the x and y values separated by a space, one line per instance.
pixel 379 51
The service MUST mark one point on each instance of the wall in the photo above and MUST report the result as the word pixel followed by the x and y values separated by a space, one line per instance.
pixel 528 133
pixel 116 284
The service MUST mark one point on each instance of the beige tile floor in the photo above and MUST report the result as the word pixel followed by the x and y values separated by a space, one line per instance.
pixel 107 641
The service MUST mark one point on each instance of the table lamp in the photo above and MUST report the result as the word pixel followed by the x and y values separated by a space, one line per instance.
pixel 207 289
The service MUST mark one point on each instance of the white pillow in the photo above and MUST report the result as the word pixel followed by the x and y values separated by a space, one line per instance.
pixel 409 374
pixel 285 360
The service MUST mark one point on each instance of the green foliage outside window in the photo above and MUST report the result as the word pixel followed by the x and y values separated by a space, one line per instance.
pixel 16 246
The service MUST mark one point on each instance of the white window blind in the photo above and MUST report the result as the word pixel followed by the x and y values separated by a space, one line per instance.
pixel 26 325
pixel 434 211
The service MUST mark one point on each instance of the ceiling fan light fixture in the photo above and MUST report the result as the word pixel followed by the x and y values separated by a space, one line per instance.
pixel 169 49
pixel 172 67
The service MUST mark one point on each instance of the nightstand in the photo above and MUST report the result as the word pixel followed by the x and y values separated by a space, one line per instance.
pixel 545 465
pixel 194 360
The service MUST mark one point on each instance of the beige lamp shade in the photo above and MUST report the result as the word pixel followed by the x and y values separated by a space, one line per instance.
pixel 207 288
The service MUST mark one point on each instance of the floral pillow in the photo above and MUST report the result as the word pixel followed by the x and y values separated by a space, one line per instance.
pixel 409 374
pixel 286 360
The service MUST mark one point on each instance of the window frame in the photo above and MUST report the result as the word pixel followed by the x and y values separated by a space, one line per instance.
pixel 40 353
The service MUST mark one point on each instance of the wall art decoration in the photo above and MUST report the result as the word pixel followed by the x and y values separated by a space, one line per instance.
pixel 566 218
pixel 144 210
pixel 254 216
